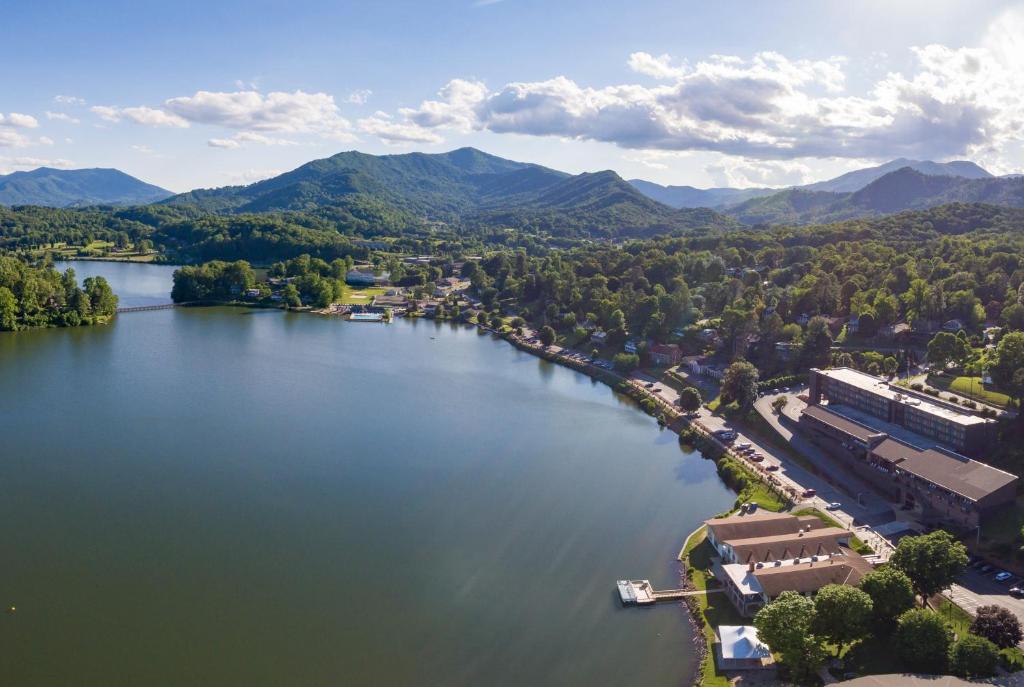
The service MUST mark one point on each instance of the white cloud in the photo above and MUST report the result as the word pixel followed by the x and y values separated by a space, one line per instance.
pixel 61 117
pixel 144 149
pixel 953 102
pixel 147 116
pixel 384 127
pixel 20 164
pixel 45 140
pixel 658 67
pixel 244 137
pixel 68 100
pixel 740 172
pixel 296 112
pixel 249 176
pixel 18 120
pixel 359 97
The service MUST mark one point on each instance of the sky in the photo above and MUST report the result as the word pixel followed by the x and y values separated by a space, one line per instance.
pixel 203 94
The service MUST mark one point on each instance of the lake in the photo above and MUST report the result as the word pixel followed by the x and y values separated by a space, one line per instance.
pixel 222 496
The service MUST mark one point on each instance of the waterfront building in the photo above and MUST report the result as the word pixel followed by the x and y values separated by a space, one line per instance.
pixel 943 422
pixel 941 485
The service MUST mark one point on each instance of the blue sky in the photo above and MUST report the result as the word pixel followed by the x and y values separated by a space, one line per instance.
pixel 191 94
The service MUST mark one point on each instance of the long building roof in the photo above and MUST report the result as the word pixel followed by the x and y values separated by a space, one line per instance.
pixel 760 524
pixel 951 471
pixel 811 576
pixel 880 387
pixel 822 541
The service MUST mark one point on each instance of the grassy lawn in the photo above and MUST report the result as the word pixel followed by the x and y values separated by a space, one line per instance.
pixel 361 296
pixel 971 387
pixel 715 609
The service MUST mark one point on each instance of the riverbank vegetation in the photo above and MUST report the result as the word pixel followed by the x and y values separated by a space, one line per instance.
pixel 43 297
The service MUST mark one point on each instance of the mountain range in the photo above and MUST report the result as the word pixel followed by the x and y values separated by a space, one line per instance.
pixel 471 189
pixel 464 186
pixel 76 188
pixel 723 197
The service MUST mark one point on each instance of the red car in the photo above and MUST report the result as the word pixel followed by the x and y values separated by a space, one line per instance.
pixel 772 468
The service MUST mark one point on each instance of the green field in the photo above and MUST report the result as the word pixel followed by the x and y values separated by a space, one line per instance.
pixel 971 387
pixel 352 295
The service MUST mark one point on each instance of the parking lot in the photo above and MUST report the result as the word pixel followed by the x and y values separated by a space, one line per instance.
pixel 980 589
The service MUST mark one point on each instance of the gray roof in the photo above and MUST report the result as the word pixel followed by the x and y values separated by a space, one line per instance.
pixel 843 424
pixel 951 471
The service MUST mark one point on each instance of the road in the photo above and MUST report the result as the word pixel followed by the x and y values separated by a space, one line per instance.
pixel 861 507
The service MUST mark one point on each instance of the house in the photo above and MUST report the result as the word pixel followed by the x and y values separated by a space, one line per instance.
pixel 599 337
pixel 366 278
pixel 894 331
pixel 750 587
pixel 952 326
pixel 664 355
pixel 760 555
pixel 802 319
pixel 709 336
pixel 631 346
pixel 252 293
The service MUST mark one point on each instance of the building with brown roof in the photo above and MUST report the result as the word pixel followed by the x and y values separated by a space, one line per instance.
pixel 751 586
pixel 943 485
pixel 745 526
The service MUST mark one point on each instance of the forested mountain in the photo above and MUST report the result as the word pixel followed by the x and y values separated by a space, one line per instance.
pixel 76 188
pixel 726 198
pixel 461 187
pixel 858 179
pixel 903 189
pixel 691 197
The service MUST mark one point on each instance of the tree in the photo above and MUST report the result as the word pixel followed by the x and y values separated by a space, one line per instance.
pixel 8 310
pixel 689 399
pixel 547 335
pixel 1007 361
pixel 931 561
pixel 973 657
pixel 891 594
pixel 890 365
pixel 922 641
pixel 785 626
pixel 842 614
pixel 290 294
pixel 946 348
pixel 101 296
pixel 998 625
pixel 626 362
pixel 740 384
pixel 817 343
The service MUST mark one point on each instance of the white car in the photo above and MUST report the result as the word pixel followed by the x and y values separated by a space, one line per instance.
pixel 835 505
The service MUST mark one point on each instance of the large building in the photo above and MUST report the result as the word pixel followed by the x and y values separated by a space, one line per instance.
pixel 761 555
pixel 925 415
pixel 939 484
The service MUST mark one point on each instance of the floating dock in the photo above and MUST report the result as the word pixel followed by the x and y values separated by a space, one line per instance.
pixel 641 593
pixel 366 317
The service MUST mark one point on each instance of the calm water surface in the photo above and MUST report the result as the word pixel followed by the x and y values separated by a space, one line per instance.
pixel 231 497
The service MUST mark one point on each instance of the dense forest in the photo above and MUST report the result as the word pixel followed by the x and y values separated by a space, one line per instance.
pixel 43 297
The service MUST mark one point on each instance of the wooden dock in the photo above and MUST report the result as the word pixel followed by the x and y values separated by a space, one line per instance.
pixel 641 593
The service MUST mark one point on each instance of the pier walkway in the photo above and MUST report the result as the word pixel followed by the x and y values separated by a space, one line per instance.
pixel 140 308
pixel 641 593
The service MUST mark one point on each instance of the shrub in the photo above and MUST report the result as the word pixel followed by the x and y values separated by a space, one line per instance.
pixel 972 657
pixel 922 640
pixel 917 386
pixel 998 625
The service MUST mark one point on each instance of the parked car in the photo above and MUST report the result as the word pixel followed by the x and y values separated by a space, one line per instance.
pixel 835 505
pixel 808 493
pixel 756 457
pixel 1003 576
pixel 743 445
pixel 772 468
pixel 1016 592
pixel 986 569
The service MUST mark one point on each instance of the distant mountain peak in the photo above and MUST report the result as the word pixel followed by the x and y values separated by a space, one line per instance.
pixel 52 187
